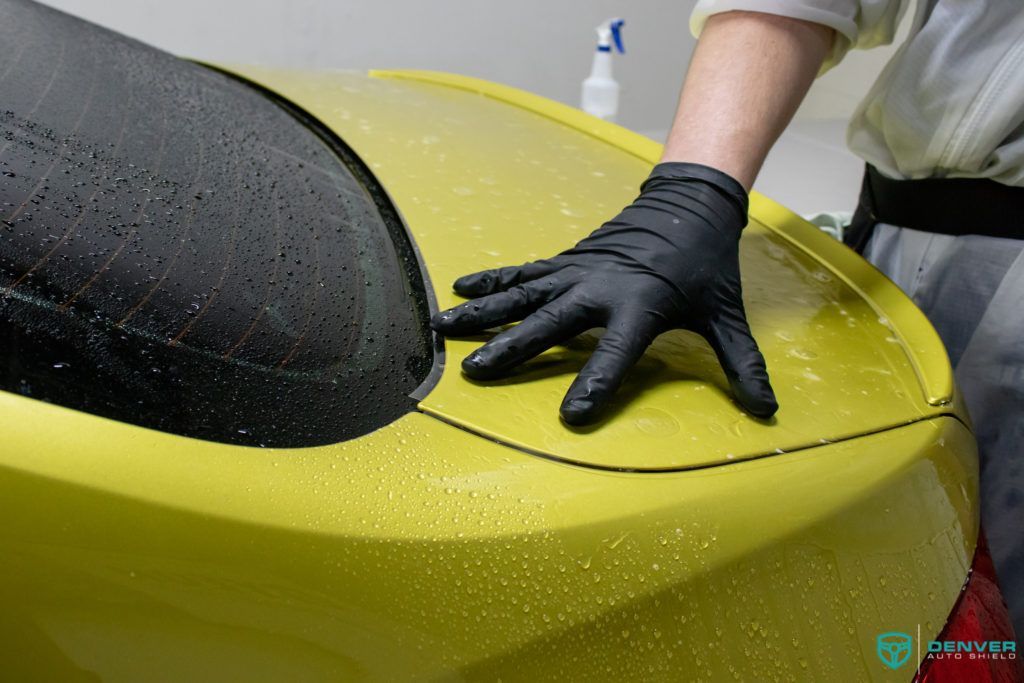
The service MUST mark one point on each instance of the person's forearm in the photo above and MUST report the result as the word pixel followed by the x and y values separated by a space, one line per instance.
pixel 748 75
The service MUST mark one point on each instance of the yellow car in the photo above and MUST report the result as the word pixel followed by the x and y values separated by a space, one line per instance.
pixel 231 449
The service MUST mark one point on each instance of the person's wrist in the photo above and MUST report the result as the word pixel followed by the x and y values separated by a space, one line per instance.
pixel 709 187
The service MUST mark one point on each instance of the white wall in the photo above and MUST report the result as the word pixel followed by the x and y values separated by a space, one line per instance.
pixel 541 45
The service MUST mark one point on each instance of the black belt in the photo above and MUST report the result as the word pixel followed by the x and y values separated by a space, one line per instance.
pixel 950 206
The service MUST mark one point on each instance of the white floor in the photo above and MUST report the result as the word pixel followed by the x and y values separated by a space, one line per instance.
pixel 810 169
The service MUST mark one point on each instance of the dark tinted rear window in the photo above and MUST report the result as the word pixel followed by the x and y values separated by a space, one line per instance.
pixel 181 252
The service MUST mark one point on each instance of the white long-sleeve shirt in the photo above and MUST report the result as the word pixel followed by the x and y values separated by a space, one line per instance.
pixel 950 102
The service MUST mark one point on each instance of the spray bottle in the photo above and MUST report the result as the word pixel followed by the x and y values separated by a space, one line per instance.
pixel 600 90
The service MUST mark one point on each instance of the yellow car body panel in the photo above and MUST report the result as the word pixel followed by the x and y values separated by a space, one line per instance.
pixel 422 551
pixel 482 184
pixel 927 354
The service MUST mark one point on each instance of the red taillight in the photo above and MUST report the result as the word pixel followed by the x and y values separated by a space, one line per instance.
pixel 979 615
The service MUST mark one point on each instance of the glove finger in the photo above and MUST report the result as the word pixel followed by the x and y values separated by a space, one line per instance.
pixel 729 335
pixel 621 346
pixel 549 325
pixel 500 279
pixel 495 309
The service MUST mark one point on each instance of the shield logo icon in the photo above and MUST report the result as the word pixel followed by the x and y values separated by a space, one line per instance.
pixel 894 648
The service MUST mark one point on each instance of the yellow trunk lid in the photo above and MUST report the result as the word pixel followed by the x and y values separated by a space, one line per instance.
pixel 486 176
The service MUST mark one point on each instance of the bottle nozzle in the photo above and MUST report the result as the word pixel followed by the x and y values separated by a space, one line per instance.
pixel 616 27
pixel 610 32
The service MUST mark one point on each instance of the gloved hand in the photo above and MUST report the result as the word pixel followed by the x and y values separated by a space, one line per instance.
pixel 669 260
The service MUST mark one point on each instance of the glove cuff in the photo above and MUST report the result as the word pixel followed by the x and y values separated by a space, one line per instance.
pixel 722 183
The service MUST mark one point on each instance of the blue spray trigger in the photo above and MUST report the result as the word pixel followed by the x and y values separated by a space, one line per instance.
pixel 616 27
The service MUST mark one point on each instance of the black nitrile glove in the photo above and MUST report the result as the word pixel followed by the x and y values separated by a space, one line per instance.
pixel 669 260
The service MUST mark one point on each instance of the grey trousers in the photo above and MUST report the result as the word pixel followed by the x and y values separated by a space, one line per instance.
pixel 971 287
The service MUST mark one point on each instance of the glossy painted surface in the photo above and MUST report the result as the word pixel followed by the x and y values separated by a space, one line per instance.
pixel 483 184
pixel 422 551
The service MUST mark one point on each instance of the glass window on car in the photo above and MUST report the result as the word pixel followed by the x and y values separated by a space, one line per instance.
pixel 181 252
